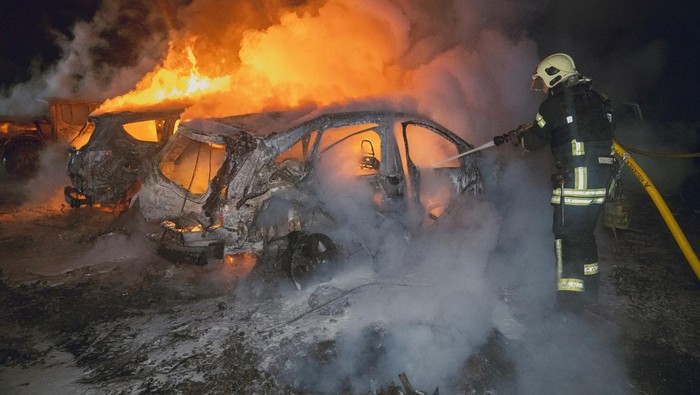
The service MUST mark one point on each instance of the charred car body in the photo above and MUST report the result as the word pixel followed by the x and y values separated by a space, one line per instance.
pixel 109 167
pixel 251 183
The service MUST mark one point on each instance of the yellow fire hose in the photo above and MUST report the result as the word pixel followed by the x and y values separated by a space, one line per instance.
pixel 662 155
pixel 662 207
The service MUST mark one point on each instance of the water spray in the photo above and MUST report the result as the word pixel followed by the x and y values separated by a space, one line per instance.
pixel 479 148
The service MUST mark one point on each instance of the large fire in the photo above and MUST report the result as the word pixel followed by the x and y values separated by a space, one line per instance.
pixel 331 54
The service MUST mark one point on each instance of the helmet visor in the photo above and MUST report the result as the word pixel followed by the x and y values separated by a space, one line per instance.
pixel 537 83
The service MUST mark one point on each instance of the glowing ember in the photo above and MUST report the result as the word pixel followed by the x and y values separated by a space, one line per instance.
pixel 241 264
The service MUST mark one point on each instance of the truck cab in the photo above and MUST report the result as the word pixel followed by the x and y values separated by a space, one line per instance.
pixel 22 138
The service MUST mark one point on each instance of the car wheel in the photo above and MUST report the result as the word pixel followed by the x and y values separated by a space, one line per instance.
pixel 308 253
pixel 22 158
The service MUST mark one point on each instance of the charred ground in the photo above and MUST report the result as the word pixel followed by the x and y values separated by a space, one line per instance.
pixel 145 325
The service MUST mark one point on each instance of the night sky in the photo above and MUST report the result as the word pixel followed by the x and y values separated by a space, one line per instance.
pixel 610 41
pixel 27 34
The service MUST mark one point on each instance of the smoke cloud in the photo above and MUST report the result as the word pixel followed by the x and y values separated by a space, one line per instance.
pixel 102 58
pixel 45 189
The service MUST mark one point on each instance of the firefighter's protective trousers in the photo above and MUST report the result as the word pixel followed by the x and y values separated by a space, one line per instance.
pixel 586 179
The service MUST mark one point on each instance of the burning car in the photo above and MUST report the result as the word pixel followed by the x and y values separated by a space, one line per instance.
pixel 254 184
pixel 107 158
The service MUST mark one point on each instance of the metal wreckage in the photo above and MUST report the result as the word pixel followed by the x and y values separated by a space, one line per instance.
pixel 106 158
pixel 253 184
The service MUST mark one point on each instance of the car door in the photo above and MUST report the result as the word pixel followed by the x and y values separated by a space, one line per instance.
pixel 360 160
pixel 432 182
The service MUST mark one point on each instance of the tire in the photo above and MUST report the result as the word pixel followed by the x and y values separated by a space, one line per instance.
pixel 309 254
pixel 21 158
pixel 303 257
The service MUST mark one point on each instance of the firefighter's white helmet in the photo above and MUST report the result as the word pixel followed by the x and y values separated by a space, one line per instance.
pixel 552 70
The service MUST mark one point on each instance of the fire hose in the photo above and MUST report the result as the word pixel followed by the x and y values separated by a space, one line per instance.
pixel 662 155
pixel 661 205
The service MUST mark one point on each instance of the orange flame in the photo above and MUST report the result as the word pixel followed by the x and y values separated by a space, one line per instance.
pixel 175 81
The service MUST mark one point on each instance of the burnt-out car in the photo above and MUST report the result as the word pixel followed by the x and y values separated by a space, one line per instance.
pixel 108 168
pixel 247 183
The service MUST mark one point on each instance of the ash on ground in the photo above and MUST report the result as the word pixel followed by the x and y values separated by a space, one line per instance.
pixel 135 323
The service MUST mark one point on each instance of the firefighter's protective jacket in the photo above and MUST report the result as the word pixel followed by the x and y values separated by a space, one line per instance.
pixel 576 122
pixel 569 113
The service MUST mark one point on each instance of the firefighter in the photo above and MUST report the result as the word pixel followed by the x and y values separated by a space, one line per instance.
pixel 576 122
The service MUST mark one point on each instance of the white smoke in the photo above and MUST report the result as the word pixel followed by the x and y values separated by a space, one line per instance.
pixel 102 58
pixel 45 189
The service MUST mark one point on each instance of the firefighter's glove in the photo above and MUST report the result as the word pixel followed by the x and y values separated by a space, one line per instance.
pixel 516 135
pixel 502 139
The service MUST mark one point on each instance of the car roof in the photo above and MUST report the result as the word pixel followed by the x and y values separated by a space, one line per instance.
pixel 272 123
pixel 257 124
pixel 138 115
